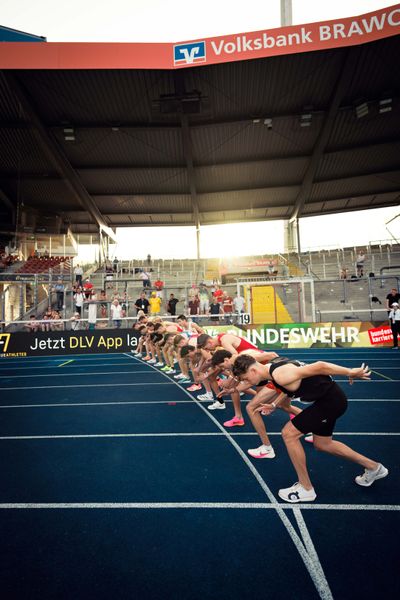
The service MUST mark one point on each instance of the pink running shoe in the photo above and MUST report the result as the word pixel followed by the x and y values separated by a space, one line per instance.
pixel 194 387
pixel 292 417
pixel 235 422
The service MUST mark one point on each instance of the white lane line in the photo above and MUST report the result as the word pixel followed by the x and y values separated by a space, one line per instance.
pixel 72 404
pixel 316 573
pixel 69 374
pixel 80 385
pixel 73 436
pixel 75 366
pixel 60 357
pixel 117 402
pixel 194 505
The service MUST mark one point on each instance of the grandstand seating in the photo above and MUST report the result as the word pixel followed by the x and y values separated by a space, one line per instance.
pixel 42 264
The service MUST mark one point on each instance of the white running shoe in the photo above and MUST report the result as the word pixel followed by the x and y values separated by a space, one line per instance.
pixel 262 451
pixel 369 476
pixel 186 380
pixel 152 361
pixel 159 364
pixel 205 397
pixel 297 493
pixel 179 376
pixel 216 405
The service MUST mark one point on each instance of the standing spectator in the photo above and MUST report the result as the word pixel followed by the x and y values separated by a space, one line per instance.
pixel 145 277
pixel 204 299
pixel 394 320
pixel 87 288
pixel 155 304
pixel 59 290
pixel 149 260
pixel 142 303
pixel 194 307
pixel 79 299
pixel 115 265
pixel 171 306
pixel 344 273
pixel 78 272
pixel 92 310
pixel 238 305
pixel 360 263
pixel 215 309
pixel 217 293
pixel 393 296
pixel 116 314
pixel 227 304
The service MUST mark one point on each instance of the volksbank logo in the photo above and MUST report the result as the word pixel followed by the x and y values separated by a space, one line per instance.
pixel 188 54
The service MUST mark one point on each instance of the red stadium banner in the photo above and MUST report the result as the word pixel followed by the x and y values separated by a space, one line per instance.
pixel 325 35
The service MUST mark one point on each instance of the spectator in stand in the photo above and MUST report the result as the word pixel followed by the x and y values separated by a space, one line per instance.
pixel 92 310
pixel 360 263
pixel 142 304
pixel 78 272
pixel 227 305
pixel 217 293
pixel 116 314
pixel 115 265
pixel 215 309
pixel 103 305
pixel 75 321
pixel 344 273
pixel 45 326
pixel 194 307
pixel 149 260
pixel 87 288
pixel 238 305
pixel 59 290
pixel 145 277
pixel 204 299
pixel 155 304
pixel 394 320
pixel 79 298
pixel 393 296
pixel 33 325
pixel 159 284
pixel 272 270
pixel 171 306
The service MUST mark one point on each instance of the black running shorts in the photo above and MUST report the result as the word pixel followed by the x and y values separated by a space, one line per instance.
pixel 320 417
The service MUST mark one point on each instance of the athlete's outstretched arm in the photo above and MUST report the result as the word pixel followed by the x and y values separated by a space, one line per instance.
pixel 288 374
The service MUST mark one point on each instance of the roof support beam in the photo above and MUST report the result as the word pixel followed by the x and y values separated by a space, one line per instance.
pixel 188 151
pixel 342 84
pixel 56 156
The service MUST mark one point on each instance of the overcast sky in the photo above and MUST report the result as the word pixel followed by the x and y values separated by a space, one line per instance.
pixel 163 20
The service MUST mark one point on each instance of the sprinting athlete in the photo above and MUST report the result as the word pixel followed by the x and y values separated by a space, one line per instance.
pixel 312 383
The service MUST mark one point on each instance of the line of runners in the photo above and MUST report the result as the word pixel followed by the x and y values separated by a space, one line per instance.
pixel 230 365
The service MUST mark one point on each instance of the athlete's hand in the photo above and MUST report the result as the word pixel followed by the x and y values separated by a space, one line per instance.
pixel 362 372
pixel 265 409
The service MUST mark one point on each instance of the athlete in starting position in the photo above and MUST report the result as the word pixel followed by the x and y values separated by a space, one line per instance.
pixel 312 383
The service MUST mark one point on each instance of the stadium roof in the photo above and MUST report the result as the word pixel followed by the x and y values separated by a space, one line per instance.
pixel 276 132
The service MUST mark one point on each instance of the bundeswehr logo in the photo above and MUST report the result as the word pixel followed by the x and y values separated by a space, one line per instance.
pixel 188 54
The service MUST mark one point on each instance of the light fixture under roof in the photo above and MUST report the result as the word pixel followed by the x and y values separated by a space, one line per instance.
pixel 69 134
pixel 268 123
pixel 361 109
pixel 385 105
pixel 305 119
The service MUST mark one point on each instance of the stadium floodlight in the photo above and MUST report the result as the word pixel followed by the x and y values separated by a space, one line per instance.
pixel 361 109
pixel 385 105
